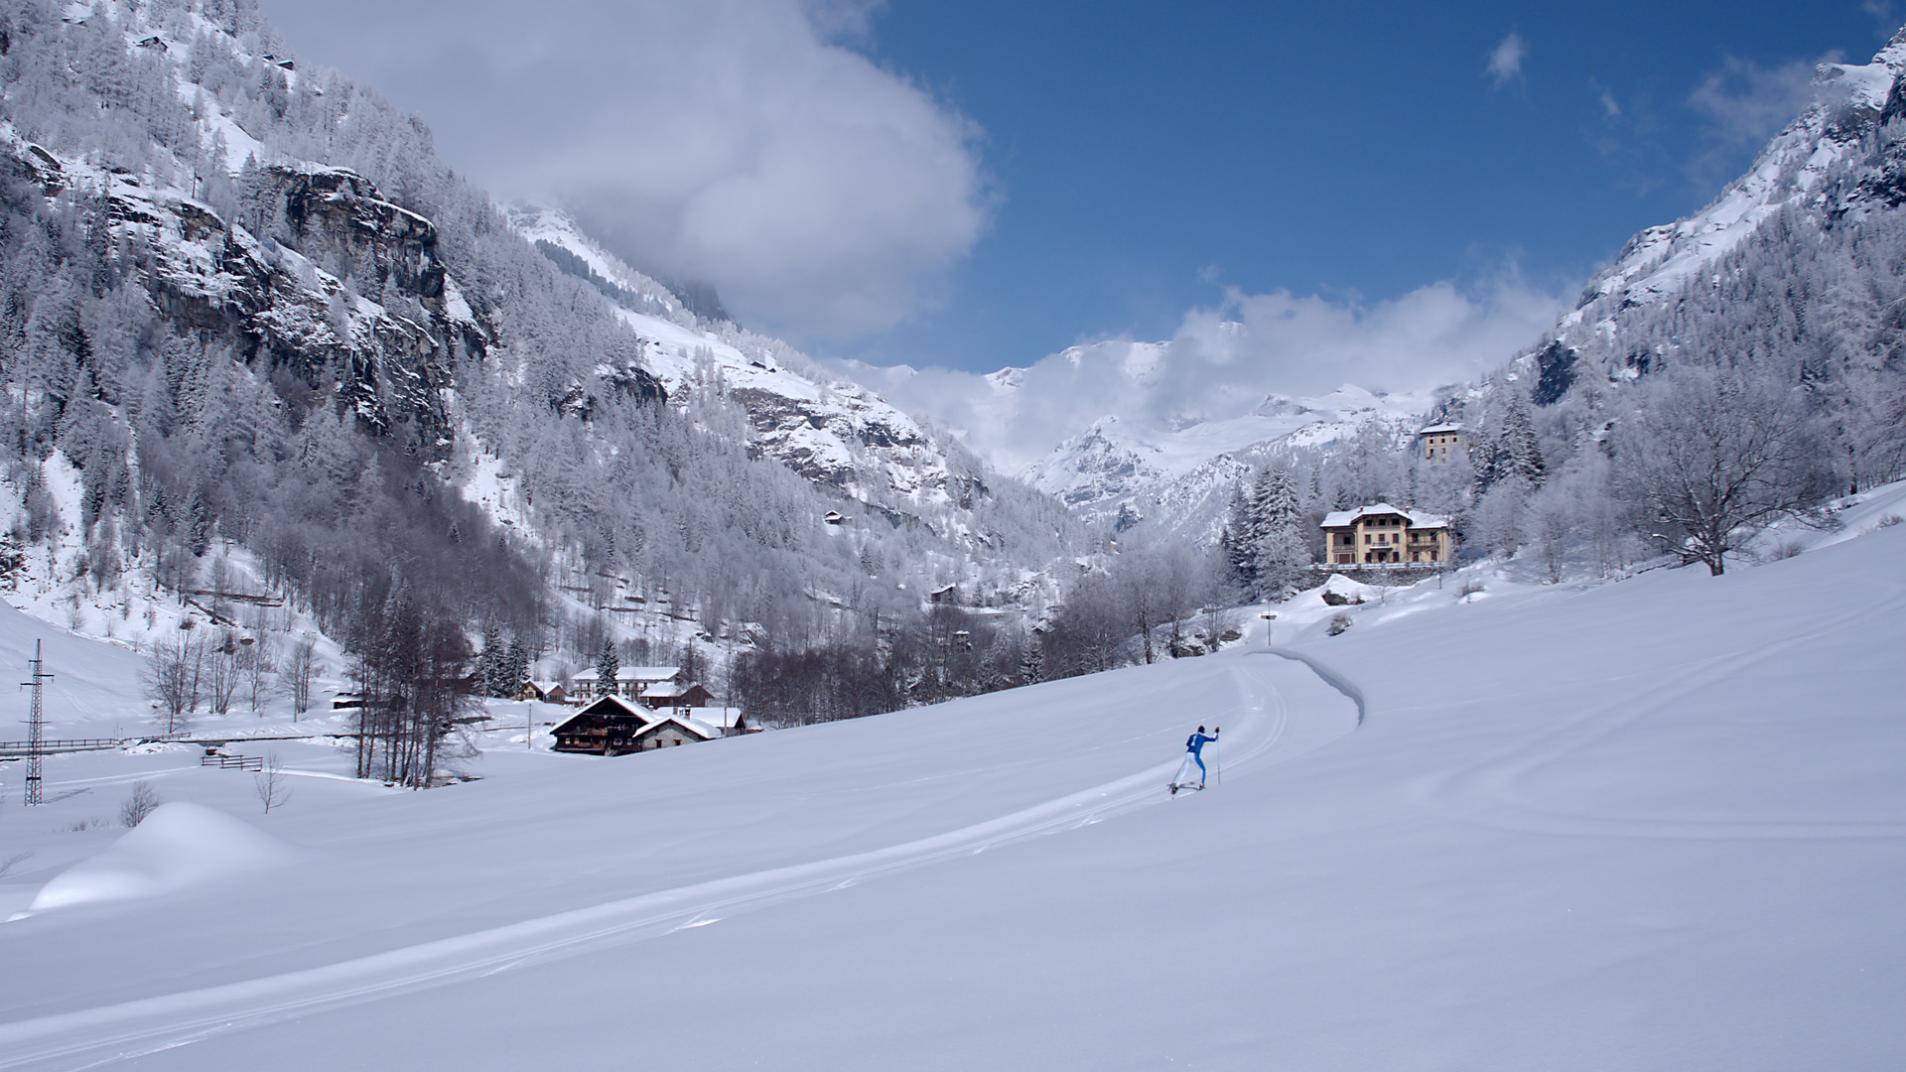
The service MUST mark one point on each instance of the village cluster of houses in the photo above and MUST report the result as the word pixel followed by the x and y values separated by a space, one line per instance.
pixel 645 708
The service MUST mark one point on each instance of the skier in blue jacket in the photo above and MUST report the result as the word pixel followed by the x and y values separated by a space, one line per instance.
pixel 1194 753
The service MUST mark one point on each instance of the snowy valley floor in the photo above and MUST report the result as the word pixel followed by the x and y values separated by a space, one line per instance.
pixel 1657 824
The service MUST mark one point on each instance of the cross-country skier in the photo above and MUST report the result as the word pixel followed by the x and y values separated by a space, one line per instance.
pixel 1194 749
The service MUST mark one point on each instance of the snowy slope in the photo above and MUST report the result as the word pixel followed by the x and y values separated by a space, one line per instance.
pixel 1645 825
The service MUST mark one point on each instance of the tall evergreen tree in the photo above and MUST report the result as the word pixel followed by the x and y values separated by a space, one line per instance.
pixel 608 665
pixel 1279 551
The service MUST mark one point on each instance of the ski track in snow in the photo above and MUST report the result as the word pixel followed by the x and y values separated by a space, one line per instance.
pixel 1489 793
pixel 92 1038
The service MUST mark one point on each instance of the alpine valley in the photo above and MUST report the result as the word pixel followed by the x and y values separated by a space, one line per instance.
pixel 274 368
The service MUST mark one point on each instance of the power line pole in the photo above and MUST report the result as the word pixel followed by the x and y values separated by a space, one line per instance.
pixel 35 738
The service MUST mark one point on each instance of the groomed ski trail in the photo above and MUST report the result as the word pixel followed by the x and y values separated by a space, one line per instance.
pixel 105 1035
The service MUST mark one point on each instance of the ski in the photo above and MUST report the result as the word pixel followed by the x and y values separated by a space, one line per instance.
pixel 1175 787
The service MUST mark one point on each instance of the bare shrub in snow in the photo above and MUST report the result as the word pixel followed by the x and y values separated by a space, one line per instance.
pixel 1339 625
pixel 1888 521
pixel 138 805
pixel 1469 587
pixel 271 784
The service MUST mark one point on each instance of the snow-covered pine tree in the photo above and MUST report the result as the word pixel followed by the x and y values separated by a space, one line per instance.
pixel 1235 541
pixel 1280 552
pixel 1032 659
pixel 608 665
pixel 490 663
pixel 1521 449
pixel 516 663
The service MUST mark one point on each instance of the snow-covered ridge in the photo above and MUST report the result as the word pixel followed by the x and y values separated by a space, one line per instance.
pixel 1790 171
pixel 829 429
pixel 1185 471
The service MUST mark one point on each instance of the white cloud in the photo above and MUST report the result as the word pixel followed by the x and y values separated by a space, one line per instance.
pixel 1224 359
pixel 1505 60
pixel 742 142
pixel 1744 102
pixel 1610 106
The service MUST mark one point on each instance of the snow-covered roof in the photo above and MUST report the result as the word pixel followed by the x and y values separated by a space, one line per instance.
pixel 633 709
pixel 545 687
pixel 724 718
pixel 1417 519
pixel 635 673
pixel 1436 429
pixel 667 690
pixel 689 726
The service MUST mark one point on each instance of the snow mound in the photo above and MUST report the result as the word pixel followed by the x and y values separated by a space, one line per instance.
pixel 178 845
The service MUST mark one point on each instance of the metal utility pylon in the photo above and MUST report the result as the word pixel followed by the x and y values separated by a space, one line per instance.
pixel 35 738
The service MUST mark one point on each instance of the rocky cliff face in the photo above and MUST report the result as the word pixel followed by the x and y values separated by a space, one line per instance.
pixel 277 309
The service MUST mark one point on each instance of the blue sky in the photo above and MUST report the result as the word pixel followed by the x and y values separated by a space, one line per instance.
pixel 1141 157
pixel 981 183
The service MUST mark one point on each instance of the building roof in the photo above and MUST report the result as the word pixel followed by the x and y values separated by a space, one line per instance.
pixel 546 687
pixel 635 673
pixel 1417 519
pixel 616 705
pixel 1437 429
pixel 722 718
pixel 668 690
pixel 688 726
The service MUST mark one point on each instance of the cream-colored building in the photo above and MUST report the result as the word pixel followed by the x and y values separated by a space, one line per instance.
pixel 1385 535
pixel 1439 441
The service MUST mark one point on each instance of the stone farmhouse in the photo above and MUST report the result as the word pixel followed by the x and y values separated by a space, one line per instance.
pixel 1439 441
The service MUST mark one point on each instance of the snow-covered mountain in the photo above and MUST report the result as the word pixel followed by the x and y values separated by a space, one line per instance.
pixel 1160 444
pixel 1120 469
pixel 1805 167
pixel 257 330
pixel 826 428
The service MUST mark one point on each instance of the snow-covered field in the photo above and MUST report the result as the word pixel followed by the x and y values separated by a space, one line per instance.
pixel 1655 824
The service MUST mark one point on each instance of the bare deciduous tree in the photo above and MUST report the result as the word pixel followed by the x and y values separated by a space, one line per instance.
pixel 222 674
pixel 257 664
pixel 170 677
pixel 1718 457
pixel 299 672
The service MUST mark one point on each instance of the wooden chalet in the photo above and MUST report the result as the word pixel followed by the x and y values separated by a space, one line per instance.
pixel 613 726
pixel 605 727
pixel 544 691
